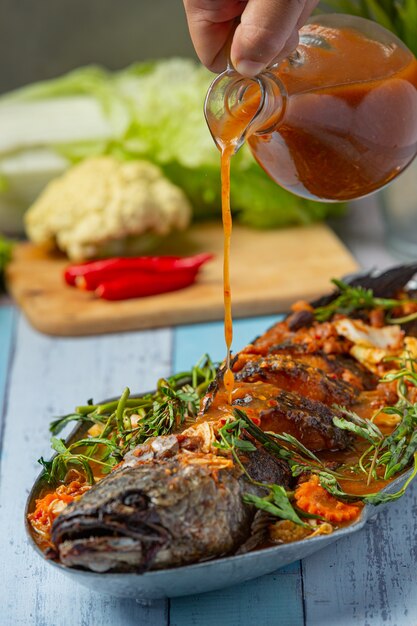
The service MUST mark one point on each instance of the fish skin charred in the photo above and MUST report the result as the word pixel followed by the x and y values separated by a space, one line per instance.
pixel 310 421
pixel 263 467
pixel 292 386
pixel 294 375
pixel 342 366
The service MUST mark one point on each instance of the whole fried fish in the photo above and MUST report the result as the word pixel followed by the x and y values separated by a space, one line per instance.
pixel 178 499
pixel 172 502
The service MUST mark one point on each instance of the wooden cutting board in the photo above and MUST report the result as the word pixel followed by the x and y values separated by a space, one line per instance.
pixel 269 270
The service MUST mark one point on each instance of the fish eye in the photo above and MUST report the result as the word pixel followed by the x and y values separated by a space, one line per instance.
pixel 137 499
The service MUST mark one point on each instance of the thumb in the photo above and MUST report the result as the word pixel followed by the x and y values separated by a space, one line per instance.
pixel 264 30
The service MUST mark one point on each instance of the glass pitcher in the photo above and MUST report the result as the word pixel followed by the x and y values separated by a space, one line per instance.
pixel 334 121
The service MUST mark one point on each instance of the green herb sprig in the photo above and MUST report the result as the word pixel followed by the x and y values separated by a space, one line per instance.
pixel 128 422
pixel 392 453
pixel 230 437
pixel 56 469
pixel 353 299
pixel 277 501
pixel 299 457
pixel 383 498
pixel 364 428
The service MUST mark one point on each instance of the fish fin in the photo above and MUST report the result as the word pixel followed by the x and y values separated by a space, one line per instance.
pixel 383 283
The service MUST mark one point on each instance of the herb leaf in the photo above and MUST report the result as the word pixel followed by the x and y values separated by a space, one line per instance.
pixel 59 423
pixel 128 422
pixel 330 484
pixel 276 503
pixel 351 299
pixel 367 431
pixel 383 498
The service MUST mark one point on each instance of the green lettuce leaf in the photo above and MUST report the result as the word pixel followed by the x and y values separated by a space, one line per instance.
pixel 152 111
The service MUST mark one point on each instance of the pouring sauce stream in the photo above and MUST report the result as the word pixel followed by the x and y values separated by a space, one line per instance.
pixel 228 378
pixel 228 136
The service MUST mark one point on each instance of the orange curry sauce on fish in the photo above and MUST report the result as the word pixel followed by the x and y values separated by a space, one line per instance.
pixel 286 378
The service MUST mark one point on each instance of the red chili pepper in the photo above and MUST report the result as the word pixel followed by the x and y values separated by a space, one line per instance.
pixel 141 284
pixel 110 267
pixel 90 282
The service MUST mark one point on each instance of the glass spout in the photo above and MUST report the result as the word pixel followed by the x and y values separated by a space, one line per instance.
pixel 237 107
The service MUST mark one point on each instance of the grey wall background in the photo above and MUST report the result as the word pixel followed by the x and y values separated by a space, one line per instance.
pixel 44 38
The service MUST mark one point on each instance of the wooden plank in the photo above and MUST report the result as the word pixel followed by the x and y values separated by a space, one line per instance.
pixel 6 341
pixel 267 274
pixel 49 377
pixel 191 342
pixel 273 599
pixel 369 578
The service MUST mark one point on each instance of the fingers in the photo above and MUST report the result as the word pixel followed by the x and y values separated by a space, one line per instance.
pixel 211 24
pixel 268 31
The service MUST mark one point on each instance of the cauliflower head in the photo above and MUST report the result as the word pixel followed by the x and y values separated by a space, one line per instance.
pixel 105 207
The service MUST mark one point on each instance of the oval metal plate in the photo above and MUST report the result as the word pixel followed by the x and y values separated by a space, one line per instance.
pixel 204 576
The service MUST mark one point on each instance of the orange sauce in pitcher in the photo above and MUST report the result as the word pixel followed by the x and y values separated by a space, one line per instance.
pixel 350 124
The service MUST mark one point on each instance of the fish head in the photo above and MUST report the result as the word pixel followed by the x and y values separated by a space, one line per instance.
pixel 159 513
pixel 116 527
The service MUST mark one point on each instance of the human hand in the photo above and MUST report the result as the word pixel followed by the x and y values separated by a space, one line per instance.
pixel 260 31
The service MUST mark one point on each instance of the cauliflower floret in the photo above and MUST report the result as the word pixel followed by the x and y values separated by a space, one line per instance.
pixel 102 206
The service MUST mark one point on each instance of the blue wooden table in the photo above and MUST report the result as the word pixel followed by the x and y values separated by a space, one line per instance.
pixel 369 578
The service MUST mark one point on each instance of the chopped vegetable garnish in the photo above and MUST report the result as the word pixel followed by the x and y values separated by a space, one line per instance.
pixel 312 498
pixel 51 505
